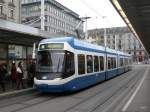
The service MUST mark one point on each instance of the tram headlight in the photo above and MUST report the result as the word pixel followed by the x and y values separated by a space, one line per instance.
pixel 57 79
pixel 44 77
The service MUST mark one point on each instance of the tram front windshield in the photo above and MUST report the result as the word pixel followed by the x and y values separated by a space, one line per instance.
pixel 51 61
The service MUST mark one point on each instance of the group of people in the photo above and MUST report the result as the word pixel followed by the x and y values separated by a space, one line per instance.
pixel 17 75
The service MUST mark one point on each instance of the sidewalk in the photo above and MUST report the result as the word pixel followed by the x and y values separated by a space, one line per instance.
pixel 11 91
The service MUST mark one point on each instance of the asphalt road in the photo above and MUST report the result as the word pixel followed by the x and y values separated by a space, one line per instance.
pixel 109 96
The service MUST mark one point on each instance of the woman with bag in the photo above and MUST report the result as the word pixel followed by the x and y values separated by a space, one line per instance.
pixel 19 76
pixel 13 74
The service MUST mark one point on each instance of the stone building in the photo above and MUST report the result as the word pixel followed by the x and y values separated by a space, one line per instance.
pixel 10 10
pixel 122 38
pixel 58 18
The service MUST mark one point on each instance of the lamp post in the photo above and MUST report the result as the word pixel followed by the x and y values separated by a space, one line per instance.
pixel 42 15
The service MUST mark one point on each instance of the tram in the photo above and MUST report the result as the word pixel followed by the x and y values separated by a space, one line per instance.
pixel 68 64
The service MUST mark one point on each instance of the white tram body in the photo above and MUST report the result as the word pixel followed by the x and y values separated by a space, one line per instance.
pixel 68 64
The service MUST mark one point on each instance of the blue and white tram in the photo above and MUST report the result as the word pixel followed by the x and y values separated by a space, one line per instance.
pixel 68 64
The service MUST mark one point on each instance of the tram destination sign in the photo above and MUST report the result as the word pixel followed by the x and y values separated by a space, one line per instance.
pixel 52 46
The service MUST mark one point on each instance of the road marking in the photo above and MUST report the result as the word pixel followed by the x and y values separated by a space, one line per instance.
pixel 134 94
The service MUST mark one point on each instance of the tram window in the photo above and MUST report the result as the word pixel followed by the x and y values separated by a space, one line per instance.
pixel 81 64
pixel 101 63
pixel 121 61
pixel 108 62
pixel 69 65
pixel 96 64
pixel 89 63
pixel 124 61
pixel 44 58
pixel 114 62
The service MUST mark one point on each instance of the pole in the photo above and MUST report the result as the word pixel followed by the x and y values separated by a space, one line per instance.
pixel 33 51
pixel 42 15
pixel 105 45
pixel 115 43
pixel 86 33
pixel 105 38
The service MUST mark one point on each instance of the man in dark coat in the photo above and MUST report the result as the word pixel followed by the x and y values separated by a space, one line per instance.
pixel 3 72
pixel 31 73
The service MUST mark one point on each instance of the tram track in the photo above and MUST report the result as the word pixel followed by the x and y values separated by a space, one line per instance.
pixel 29 97
pixel 31 105
pixel 122 91
pixel 130 79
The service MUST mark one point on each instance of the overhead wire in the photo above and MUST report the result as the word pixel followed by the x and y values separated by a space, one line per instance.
pixel 97 12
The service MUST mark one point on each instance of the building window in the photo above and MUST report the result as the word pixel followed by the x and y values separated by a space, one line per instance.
pixel 3 51
pixel 29 52
pixel 1 9
pixel 12 13
pixel 81 64
pixel 89 63
pixel 16 52
pixel 12 1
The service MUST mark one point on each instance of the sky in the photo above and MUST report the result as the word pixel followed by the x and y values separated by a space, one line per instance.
pixel 102 13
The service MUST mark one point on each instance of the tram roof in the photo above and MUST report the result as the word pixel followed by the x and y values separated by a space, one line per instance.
pixel 80 44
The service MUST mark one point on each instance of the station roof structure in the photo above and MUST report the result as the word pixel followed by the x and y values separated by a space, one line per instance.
pixel 136 14
pixel 20 34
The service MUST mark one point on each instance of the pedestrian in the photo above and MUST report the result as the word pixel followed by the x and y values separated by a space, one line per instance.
pixel 3 72
pixel 20 76
pixel 31 73
pixel 13 74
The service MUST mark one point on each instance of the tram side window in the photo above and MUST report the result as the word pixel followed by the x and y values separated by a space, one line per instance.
pixel 121 61
pixel 125 61
pixel 101 59
pixel 96 64
pixel 114 62
pixel 81 64
pixel 89 63
pixel 109 63
pixel 69 65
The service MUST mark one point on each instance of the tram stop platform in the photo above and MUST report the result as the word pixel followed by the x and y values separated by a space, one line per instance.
pixel 139 101
pixel 12 91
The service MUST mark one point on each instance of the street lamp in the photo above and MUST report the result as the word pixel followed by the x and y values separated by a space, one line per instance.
pixel 42 15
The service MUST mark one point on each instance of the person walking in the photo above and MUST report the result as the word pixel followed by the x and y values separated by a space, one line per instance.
pixel 20 75
pixel 13 74
pixel 3 72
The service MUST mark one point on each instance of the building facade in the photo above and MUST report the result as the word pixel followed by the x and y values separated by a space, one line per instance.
pixel 58 18
pixel 119 38
pixel 10 10
pixel 14 45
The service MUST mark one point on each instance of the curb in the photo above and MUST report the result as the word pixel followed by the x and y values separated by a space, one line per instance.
pixel 16 93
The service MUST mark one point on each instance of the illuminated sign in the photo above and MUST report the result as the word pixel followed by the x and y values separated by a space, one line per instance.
pixel 52 46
